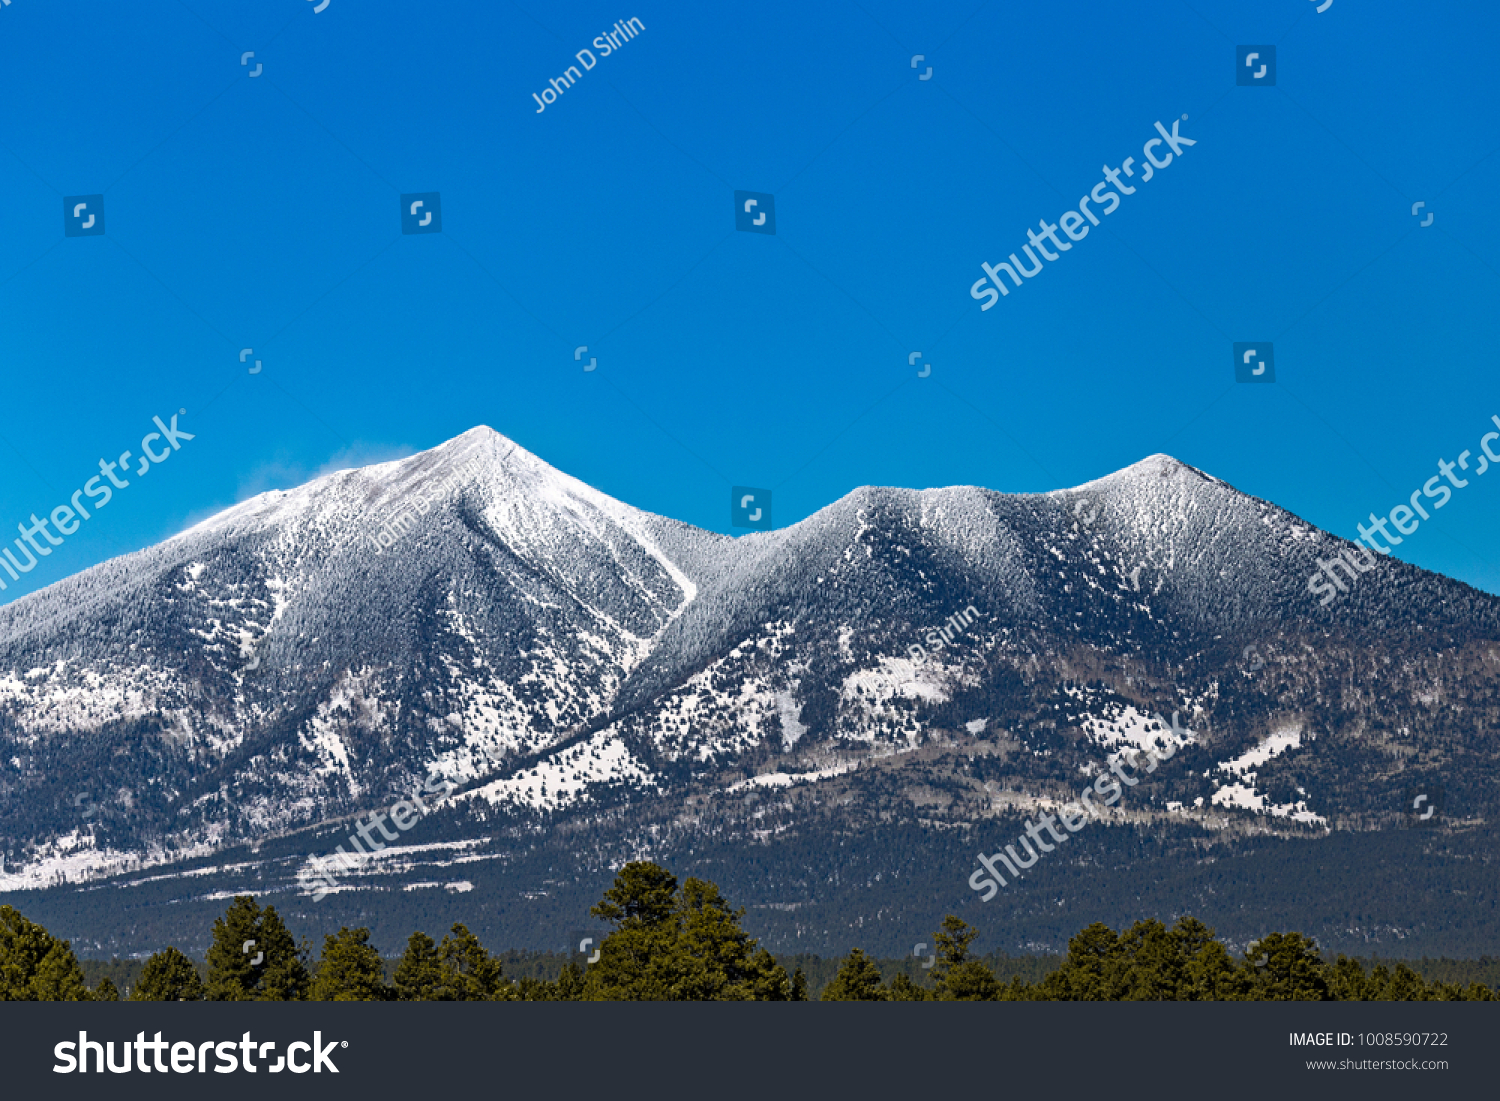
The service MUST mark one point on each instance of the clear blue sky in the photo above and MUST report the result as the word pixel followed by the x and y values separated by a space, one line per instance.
pixel 263 212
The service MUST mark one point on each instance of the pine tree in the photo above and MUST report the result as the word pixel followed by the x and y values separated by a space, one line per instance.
pixel 253 957
pixel 1204 969
pixel 419 975
pixel 469 973
pixel 232 976
pixel 643 895
pixel 1091 971
pixel 799 986
pixel 1286 967
pixel 957 977
pixel 530 989
pixel 902 989
pixel 168 976
pixel 1405 986
pixel 765 980
pixel 1019 991
pixel 1213 976
pixel 723 962
pixel 59 978
pixel 105 991
pixel 34 965
pixel 350 970
pixel 285 976
pixel 569 985
pixel 641 960
pixel 1347 981
pixel 672 944
pixel 858 980
pixel 1153 967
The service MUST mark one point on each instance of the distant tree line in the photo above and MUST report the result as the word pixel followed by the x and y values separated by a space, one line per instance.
pixel 683 942
pixel 1149 962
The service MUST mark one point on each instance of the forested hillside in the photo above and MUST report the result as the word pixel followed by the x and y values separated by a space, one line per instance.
pixel 671 941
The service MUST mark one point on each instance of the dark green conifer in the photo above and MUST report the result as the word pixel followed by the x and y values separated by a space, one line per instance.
pixel 1347 981
pixel 902 989
pixel 1286 967
pixel 956 976
pixel 271 969
pixel 168 976
pixel 419 975
pixel 34 965
pixel 858 980
pixel 470 974
pixel 672 944
pixel 1405 986
pixel 569 985
pixel 641 960
pixel 350 970
pixel 1091 971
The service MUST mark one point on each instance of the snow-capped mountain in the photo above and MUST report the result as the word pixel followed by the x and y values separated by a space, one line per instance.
pixel 304 649
pixel 601 683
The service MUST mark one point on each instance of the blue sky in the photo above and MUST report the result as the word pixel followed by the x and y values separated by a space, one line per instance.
pixel 263 212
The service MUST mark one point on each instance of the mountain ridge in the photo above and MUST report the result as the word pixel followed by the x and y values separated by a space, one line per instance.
pixel 579 667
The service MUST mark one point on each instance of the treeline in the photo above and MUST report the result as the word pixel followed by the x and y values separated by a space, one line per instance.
pixel 548 966
pixel 125 974
pixel 1150 962
pixel 683 942
pixel 820 971
pixel 821 875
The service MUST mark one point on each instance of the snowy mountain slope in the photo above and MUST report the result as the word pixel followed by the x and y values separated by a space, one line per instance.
pixel 582 668
pixel 282 648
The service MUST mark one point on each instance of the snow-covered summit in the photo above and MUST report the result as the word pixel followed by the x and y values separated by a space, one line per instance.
pixel 471 610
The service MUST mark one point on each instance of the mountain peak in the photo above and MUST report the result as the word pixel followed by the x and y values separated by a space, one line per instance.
pixel 478 442
pixel 470 612
pixel 1159 465
pixel 1146 470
